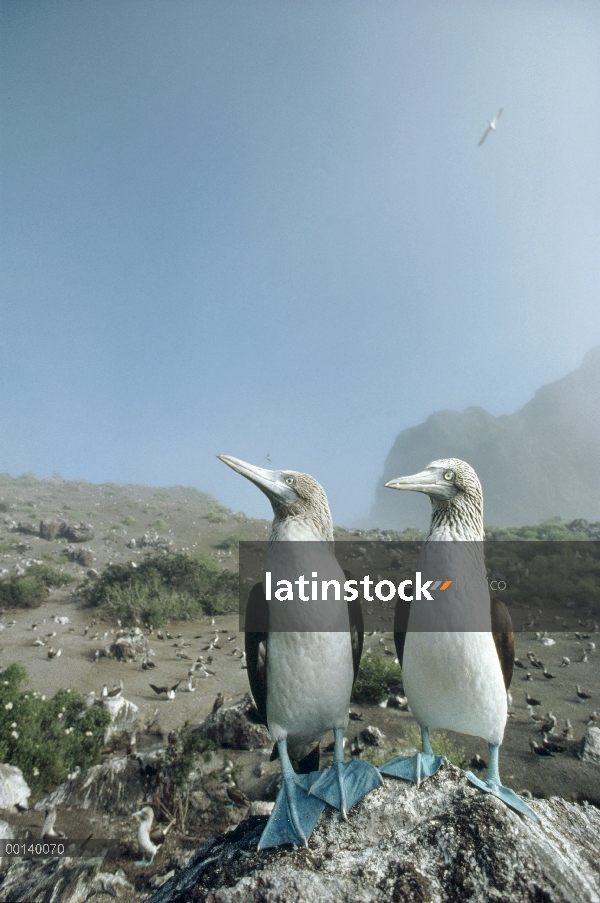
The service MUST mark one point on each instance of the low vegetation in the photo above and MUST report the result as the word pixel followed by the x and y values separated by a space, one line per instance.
pixel 47 738
pixel 552 530
pixel 31 589
pixel 230 542
pixel 377 678
pixel 441 745
pixel 163 588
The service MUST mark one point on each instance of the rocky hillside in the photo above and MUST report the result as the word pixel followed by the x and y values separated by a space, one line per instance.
pixel 540 462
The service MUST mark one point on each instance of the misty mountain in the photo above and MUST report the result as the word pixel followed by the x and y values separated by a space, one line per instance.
pixel 540 462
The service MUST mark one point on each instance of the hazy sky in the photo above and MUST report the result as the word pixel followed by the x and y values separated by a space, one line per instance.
pixel 266 227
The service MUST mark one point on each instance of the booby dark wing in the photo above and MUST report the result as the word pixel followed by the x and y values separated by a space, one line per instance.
pixel 257 613
pixel 256 644
pixel 401 617
pixel 504 638
pixel 357 629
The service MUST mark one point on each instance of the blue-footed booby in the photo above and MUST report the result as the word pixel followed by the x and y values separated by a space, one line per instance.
pixel 146 816
pixel 302 680
pixel 457 679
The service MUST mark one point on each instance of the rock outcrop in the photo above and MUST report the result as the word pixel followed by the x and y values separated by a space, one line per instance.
pixel 441 843
pixel 539 462
pixel 237 727
pixel 14 790
pixel 590 746
pixel 66 880
pixel 116 786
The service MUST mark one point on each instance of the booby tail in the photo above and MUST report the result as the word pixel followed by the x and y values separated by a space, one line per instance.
pixel 415 768
pixel 295 813
pixel 345 783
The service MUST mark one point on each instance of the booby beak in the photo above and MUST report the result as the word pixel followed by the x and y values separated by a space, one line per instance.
pixel 430 481
pixel 271 482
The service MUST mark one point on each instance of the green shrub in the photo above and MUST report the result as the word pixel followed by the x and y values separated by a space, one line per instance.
pixel 159 524
pixel 48 575
pixel 47 738
pixel 31 589
pixel 214 518
pixel 129 521
pixel 377 677
pixel 441 745
pixel 229 542
pixel 22 592
pixel 163 588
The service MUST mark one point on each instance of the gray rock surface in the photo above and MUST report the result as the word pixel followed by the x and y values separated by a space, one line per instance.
pixel 236 728
pixel 14 790
pixel 78 533
pixel 444 842
pixel 50 529
pixel 590 746
pixel 130 645
pixel 123 716
pixel 64 880
pixel 118 786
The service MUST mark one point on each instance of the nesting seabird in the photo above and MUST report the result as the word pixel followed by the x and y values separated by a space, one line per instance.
pixel 168 691
pixel 302 680
pixel 146 816
pixel 47 831
pixel 457 679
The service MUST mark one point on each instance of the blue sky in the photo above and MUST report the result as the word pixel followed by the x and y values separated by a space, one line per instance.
pixel 266 227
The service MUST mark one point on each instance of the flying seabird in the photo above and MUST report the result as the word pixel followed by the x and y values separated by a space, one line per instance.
pixel 456 679
pixel 301 681
pixel 146 816
pixel 491 126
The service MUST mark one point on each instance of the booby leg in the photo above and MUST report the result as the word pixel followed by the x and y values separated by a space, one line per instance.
pixel 144 861
pixel 295 813
pixel 415 768
pixel 345 783
pixel 492 784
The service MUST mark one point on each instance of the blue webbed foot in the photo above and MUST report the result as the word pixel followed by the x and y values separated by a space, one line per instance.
pixel 295 813
pixel 414 768
pixel 492 784
pixel 345 783
pixel 144 861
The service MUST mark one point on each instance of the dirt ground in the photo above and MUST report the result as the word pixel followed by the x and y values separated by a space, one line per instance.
pixel 561 775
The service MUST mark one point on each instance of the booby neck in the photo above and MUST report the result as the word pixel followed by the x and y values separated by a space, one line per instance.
pixel 458 519
pixel 301 528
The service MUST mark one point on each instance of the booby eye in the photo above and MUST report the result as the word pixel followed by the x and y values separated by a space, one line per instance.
pixel 449 475
pixel 290 481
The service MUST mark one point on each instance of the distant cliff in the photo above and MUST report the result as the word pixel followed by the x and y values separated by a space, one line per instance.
pixel 541 461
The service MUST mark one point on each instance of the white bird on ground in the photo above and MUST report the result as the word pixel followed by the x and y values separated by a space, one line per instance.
pixel 146 816
pixel 491 127
pixel 47 831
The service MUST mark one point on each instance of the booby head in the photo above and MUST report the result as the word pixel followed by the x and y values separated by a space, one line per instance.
pixel 146 815
pixel 293 495
pixel 455 493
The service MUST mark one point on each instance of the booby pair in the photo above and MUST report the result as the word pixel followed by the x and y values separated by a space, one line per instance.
pixel 301 679
pixel 454 678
